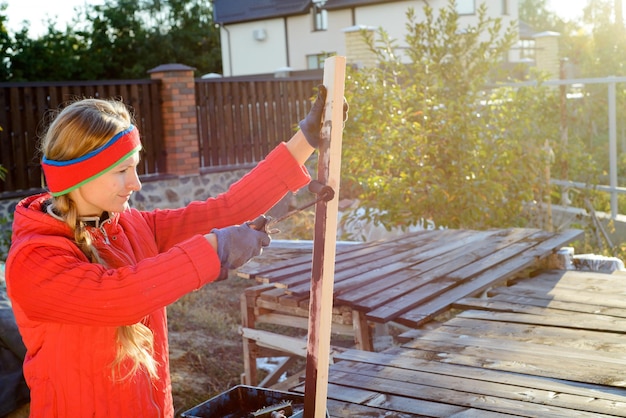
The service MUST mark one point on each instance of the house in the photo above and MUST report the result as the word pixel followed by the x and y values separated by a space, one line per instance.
pixel 275 36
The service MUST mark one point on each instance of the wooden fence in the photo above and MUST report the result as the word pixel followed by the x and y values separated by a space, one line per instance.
pixel 24 108
pixel 240 121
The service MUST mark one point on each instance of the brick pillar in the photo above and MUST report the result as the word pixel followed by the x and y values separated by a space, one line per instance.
pixel 358 53
pixel 180 120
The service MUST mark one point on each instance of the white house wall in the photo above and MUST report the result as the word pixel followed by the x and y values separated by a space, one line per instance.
pixel 245 51
pixel 252 56
pixel 392 17
pixel 304 41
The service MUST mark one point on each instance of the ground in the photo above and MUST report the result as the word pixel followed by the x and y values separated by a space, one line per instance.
pixel 205 345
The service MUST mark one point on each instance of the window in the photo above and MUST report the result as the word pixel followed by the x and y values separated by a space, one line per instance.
pixel 465 7
pixel 320 16
pixel 316 61
pixel 527 48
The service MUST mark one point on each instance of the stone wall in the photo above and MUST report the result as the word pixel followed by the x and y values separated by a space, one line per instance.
pixel 181 190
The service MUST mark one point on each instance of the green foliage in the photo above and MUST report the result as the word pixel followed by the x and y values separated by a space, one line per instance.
pixel 120 39
pixel 607 49
pixel 426 139
pixel 53 56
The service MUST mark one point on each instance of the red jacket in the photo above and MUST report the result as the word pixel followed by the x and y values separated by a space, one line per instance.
pixel 68 309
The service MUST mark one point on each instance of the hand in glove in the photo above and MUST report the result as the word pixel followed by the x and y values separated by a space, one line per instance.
pixel 311 125
pixel 236 245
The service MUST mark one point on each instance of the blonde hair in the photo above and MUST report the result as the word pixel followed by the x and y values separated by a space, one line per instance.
pixel 78 129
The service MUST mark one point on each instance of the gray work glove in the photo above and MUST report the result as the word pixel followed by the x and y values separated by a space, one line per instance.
pixel 236 245
pixel 311 125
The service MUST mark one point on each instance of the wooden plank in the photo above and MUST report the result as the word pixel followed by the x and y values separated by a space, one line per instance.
pixel 409 359
pixel 451 256
pixel 476 389
pixel 248 320
pixel 507 295
pixel 491 260
pixel 299 270
pixel 573 278
pixel 353 273
pixel 452 259
pixel 404 303
pixel 582 295
pixel 536 334
pixel 273 294
pixel 323 268
pixel 283 343
pixel 383 404
pixel 438 401
pixel 386 300
pixel 535 359
pixel 532 315
pixel 338 409
pixel 487 279
pixel 505 342
pixel 301 322
pixel 274 271
pixel 408 258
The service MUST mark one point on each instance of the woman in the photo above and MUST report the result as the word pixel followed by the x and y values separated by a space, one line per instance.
pixel 89 277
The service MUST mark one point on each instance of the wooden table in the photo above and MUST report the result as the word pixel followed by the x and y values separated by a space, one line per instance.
pixel 409 280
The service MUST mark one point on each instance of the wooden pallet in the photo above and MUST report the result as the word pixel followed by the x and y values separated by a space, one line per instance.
pixel 551 345
pixel 410 279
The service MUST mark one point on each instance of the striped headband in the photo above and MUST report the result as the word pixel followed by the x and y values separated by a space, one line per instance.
pixel 64 176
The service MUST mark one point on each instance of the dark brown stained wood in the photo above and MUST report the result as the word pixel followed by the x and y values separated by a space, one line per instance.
pixel 347 257
pixel 489 278
pixel 430 265
pixel 374 265
pixel 411 293
pixel 324 243
pixel 410 300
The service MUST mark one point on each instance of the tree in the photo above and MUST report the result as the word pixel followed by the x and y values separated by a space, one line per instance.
pixel 53 56
pixel 427 139
pixel 5 43
pixel 537 15
pixel 607 54
pixel 120 39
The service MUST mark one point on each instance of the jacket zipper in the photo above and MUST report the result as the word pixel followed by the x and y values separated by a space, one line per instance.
pixel 104 232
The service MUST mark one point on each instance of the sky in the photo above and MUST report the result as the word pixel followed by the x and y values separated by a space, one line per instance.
pixel 37 11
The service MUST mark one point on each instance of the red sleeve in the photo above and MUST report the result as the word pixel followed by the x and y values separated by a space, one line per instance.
pixel 54 282
pixel 249 197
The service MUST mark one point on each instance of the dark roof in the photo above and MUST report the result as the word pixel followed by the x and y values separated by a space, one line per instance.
pixel 525 30
pixel 344 4
pixel 234 11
